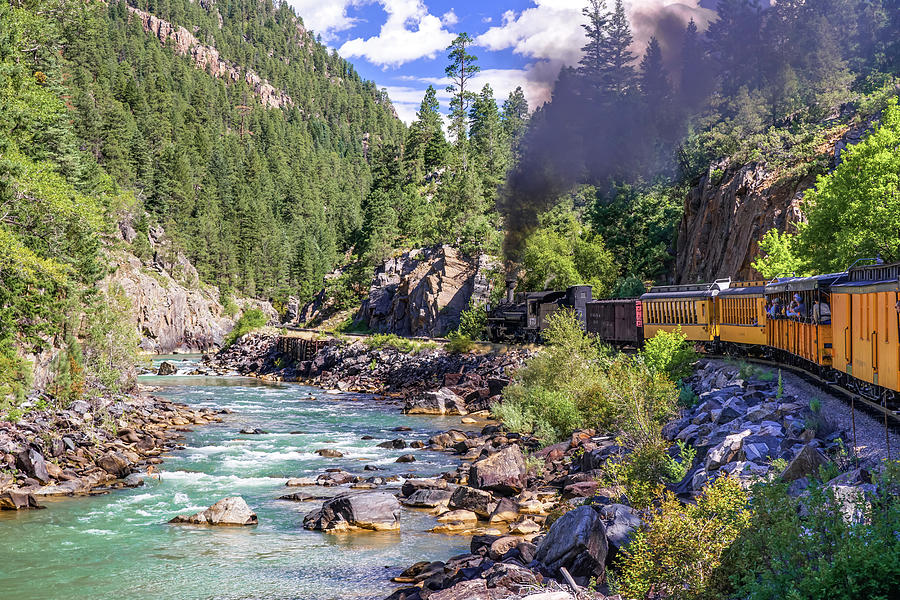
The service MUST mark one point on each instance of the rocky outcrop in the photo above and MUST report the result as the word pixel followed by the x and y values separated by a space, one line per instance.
pixel 171 308
pixel 207 58
pixel 422 292
pixel 232 511
pixel 731 207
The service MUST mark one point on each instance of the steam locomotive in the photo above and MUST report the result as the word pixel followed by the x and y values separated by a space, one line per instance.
pixel 845 327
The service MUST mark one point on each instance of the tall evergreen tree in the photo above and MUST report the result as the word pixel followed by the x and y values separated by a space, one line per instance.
pixel 617 71
pixel 460 71
pixel 695 78
pixel 489 144
pixel 426 145
pixel 594 52
pixel 654 80
pixel 515 118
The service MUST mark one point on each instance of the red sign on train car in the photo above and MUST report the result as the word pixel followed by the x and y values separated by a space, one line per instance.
pixel 639 314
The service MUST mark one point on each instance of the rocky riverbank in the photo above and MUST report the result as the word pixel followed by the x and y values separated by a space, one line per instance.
pixel 430 381
pixel 531 518
pixel 89 447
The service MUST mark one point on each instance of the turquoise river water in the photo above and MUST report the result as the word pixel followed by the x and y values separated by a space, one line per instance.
pixel 119 546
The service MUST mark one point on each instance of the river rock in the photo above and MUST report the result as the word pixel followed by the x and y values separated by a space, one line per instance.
pixel 439 402
pixel 329 453
pixel 503 472
pixel 32 463
pixel 114 463
pixel 18 501
pixel 376 511
pixel 167 368
pixel 227 511
pixel 398 444
pixel 406 458
pixel 576 541
pixel 300 481
pixel 427 498
pixel 479 502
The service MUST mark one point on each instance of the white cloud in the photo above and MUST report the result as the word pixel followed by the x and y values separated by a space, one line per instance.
pixel 410 33
pixel 326 17
pixel 449 18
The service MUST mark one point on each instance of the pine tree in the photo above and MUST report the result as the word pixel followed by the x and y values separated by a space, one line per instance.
pixel 695 81
pixel 594 56
pixel 654 81
pixel 461 69
pixel 617 72
pixel 489 145
pixel 514 117
pixel 426 146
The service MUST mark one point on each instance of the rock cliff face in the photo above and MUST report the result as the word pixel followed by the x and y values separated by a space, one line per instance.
pixel 725 216
pixel 172 310
pixel 731 207
pixel 207 58
pixel 423 292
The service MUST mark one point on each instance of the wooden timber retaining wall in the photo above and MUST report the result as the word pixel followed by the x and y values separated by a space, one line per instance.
pixel 299 348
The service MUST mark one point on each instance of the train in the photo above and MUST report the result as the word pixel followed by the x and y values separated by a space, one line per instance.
pixel 845 328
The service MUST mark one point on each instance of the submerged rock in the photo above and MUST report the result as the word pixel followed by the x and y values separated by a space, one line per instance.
pixel 375 511
pixel 227 511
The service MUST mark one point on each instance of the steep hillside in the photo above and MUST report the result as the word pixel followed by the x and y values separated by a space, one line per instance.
pixel 244 137
pixel 731 207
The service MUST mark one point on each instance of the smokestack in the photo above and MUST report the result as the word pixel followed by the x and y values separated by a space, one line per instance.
pixel 510 289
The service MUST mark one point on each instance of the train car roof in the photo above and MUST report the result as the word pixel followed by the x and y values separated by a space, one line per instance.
pixel 871 278
pixel 695 290
pixel 802 284
pixel 613 300
pixel 750 289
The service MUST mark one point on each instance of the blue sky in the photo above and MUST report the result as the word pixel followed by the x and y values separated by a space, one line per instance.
pixel 401 44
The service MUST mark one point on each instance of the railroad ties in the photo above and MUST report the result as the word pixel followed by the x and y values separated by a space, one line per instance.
pixel 300 349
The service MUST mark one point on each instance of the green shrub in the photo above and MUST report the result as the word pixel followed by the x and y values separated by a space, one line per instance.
pixel 550 415
pixel 473 321
pixel 253 318
pixel 229 306
pixel 677 551
pixel 389 340
pixel 686 396
pixel 826 550
pixel 459 343
pixel 670 353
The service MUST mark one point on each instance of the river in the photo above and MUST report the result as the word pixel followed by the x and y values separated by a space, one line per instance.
pixel 119 545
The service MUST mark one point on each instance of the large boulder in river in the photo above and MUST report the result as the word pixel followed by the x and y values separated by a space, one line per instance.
pixel 576 541
pixel 167 367
pixel 440 402
pixel 480 502
pixel 504 472
pixel 227 511
pixel 376 511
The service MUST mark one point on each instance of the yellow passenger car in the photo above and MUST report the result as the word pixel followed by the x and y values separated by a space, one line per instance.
pixel 741 309
pixel 866 318
pixel 692 307
pixel 801 323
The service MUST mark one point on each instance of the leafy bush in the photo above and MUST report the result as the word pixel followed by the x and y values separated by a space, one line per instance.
pixel 458 343
pixel 832 548
pixel 389 340
pixel 252 319
pixel 473 321
pixel 549 415
pixel 670 353
pixel 629 287
pixel 675 554
pixel 111 342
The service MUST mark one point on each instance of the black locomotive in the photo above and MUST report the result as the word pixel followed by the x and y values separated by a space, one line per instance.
pixel 522 317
